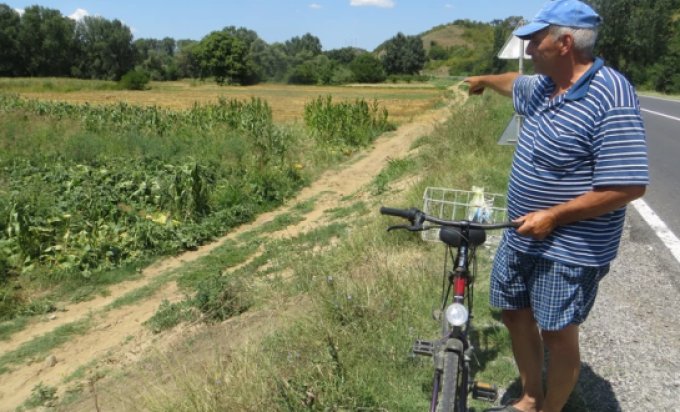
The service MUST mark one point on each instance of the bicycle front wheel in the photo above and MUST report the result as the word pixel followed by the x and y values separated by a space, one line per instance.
pixel 450 396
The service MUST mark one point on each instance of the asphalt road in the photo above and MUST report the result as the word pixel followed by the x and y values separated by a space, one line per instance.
pixel 662 121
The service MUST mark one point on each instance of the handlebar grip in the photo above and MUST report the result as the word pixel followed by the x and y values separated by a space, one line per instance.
pixel 409 214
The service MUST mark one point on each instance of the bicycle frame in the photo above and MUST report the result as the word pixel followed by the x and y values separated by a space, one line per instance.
pixel 460 285
pixel 452 352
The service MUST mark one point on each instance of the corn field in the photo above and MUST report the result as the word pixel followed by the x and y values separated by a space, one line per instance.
pixel 87 188
pixel 346 123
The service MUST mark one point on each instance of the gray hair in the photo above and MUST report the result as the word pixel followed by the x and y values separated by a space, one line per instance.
pixel 584 39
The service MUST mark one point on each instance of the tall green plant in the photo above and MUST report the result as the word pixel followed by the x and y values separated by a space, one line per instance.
pixel 353 124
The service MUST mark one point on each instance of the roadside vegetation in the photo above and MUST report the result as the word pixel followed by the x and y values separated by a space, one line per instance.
pixel 330 314
pixel 322 320
pixel 93 189
pixel 87 190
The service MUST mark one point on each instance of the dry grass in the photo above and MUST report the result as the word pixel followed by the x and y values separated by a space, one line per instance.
pixel 447 36
pixel 287 101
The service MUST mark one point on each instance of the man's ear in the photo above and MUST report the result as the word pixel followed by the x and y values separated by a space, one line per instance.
pixel 567 44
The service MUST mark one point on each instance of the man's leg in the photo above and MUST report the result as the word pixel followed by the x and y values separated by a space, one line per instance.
pixel 564 366
pixel 528 350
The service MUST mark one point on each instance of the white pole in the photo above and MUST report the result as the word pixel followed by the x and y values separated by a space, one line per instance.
pixel 521 70
pixel 521 56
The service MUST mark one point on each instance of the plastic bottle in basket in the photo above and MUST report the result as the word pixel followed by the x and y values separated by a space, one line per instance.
pixel 479 209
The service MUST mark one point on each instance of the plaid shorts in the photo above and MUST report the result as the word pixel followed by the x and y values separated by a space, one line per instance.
pixel 558 294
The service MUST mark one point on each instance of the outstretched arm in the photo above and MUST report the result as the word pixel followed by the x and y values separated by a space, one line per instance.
pixel 501 83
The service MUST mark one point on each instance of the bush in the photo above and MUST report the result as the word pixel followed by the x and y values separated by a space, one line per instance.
pixel 367 69
pixel 168 316
pixel 304 73
pixel 219 297
pixel 408 78
pixel 135 80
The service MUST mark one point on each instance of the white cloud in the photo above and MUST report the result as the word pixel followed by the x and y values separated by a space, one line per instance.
pixel 20 11
pixel 388 4
pixel 315 6
pixel 448 6
pixel 78 14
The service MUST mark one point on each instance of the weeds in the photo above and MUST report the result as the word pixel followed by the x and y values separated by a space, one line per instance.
pixel 220 297
pixel 366 300
pixel 41 346
pixel 346 124
pixel 41 395
pixel 169 315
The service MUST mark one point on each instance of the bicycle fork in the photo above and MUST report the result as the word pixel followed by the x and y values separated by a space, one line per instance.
pixel 437 350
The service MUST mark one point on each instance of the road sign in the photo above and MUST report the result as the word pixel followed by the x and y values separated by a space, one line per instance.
pixel 514 48
pixel 511 133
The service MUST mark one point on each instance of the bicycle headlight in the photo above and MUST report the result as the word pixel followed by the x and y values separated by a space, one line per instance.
pixel 456 314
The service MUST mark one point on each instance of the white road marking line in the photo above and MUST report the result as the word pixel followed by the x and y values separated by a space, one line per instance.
pixel 659 227
pixel 661 114
pixel 665 99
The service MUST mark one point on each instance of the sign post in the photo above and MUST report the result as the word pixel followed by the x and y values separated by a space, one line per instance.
pixel 514 48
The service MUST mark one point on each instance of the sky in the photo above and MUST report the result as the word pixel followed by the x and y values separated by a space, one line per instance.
pixel 337 23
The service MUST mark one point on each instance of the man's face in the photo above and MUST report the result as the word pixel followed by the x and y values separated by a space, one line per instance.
pixel 544 50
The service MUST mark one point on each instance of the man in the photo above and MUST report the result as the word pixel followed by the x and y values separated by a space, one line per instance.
pixel 580 158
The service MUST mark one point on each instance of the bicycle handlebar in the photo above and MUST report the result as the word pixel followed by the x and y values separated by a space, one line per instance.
pixel 417 218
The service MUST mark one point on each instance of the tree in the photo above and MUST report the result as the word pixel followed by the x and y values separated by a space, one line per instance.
pixel 271 61
pixel 46 42
pixel 304 47
pixel 186 59
pixel 344 55
pixel 437 52
pixel 106 49
pixel 9 40
pixel 247 36
pixel 225 57
pixel 635 33
pixel 663 75
pixel 502 30
pixel 265 63
pixel 367 68
pixel 404 55
pixel 156 57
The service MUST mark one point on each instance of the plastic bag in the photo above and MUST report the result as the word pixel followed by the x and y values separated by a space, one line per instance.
pixel 479 209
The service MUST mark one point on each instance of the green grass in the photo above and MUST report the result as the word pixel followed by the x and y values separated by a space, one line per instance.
pixel 357 306
pixel 53 84
pixel 370 296
pixel 79 289
pixel 657 94
pixel 395 169
pixel 10 327
pixel 358 208
pixel 70 289
pixel 228 255
pixel 141 293
pixel 39 347
pixel 169 315
pixel 446 82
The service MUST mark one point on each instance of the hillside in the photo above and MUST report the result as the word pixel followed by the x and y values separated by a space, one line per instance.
pixel 446 36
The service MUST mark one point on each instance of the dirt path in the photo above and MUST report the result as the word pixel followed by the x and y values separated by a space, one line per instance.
pixel 118 336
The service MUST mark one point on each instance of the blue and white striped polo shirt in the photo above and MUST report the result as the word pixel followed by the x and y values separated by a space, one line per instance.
pixel 590 136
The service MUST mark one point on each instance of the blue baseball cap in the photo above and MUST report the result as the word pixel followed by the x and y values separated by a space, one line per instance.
pixel 569 13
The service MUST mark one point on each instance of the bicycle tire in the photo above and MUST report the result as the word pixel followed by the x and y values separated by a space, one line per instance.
pixel 448 397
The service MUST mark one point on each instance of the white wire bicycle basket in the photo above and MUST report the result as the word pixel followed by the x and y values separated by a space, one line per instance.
pixel 451 204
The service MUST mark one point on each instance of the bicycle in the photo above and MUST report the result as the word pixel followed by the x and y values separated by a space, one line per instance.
pixel 452 352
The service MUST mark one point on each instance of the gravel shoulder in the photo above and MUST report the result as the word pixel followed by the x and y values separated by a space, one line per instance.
pixel 630 344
